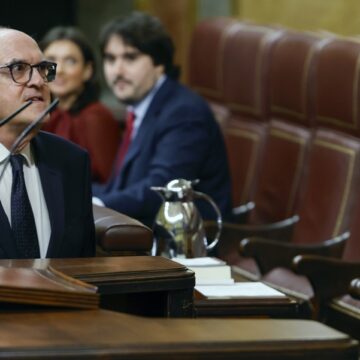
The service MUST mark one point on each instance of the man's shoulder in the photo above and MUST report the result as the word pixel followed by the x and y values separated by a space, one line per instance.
pixel 181 95
pixel 48 142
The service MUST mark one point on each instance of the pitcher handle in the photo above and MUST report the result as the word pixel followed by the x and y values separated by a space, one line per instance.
pixel 218 221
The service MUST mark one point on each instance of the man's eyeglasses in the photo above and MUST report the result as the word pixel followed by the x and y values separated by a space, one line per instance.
pixel 21 72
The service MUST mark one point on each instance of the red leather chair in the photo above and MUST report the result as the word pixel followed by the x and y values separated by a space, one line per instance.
pixel 291 69
pixel 243 73
pixel 329 194
pixel 336 293
pixel 336 86
pixel 245 147
pixel 281 168
pixel 205 62
pixel 291 72
pixel 245 69
pixel 281 171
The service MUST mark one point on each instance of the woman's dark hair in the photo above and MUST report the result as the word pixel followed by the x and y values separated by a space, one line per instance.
pixel 91 87
pixel 145 33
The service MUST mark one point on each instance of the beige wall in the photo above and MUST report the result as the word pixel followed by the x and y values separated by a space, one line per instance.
pixel 338 16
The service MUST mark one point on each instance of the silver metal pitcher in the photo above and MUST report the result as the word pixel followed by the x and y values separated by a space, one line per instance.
pixel 179 229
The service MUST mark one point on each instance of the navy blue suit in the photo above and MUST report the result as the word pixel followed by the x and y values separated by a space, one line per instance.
pixel 178 138
pixel 65 177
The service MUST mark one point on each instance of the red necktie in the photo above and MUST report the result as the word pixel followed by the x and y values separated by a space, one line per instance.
pixel 130 117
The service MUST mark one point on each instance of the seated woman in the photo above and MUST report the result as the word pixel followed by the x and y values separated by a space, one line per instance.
pixel 80 117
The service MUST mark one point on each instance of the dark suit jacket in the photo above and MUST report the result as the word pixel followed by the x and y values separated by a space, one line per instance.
pixel 178 138
pixel 65 177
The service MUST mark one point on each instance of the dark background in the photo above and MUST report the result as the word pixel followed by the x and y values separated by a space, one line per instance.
pixel 37 17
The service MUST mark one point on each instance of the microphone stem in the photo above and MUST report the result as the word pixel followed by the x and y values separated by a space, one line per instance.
pixel 20 109
pixel 26 132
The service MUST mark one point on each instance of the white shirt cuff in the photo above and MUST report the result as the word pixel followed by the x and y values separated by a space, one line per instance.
pixel 97 201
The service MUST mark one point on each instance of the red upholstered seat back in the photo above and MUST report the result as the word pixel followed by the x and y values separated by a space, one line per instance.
pixel 205 62
pixel 245 69
pixel 352 247
pixel 291 74
pixel 244 87
pixel 330 188
pixel 291 65
pixel 337 93
pixel 245 142
pixel 280 175
pixel 206 57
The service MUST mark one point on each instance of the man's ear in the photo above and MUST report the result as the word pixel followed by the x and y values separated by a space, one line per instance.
pixel 160 70
pixel 88 71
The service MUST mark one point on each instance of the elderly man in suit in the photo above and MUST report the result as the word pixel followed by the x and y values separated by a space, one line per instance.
pixel 45 189
pixel 171 132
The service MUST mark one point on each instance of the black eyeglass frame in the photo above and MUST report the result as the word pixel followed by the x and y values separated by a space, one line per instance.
pixel 50 76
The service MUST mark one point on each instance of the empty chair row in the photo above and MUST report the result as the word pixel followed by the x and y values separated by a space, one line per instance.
pixel 252 75
pixel 259 72
pixel 313 199
pixel 288 105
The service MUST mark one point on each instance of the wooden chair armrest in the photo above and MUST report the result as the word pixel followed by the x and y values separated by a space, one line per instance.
pixel 354 289
pixel 270 254
pixel 117 232
pixel 232 234
pixel 241 213
pixel 329 277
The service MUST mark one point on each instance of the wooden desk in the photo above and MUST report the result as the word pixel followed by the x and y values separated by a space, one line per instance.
pixel 142 285
pixel 103 334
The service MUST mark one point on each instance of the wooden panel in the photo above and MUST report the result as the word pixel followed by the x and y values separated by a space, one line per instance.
pixel 107 335
pixel 178 17
pixel 331 15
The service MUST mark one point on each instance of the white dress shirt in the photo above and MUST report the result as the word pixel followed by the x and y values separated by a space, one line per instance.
pixel 35 193
pixel 140 109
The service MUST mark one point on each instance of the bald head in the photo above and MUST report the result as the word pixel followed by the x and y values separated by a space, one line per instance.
pixel 17 47
pixel 15 41
pixel 7 34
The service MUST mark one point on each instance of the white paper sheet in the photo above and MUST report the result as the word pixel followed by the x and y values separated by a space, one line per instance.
pixel 200 261
pixel 239 290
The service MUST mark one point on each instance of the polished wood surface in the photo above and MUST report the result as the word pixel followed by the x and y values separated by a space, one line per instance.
pixel 91 334
pixel 124 282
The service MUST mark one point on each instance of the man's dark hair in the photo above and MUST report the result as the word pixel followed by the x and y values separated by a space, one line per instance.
pixel 145 33
pixel 91 87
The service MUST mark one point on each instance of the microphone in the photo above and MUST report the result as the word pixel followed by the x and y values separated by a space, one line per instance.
pixel 19 110
pixel 26 132
pixel 32 126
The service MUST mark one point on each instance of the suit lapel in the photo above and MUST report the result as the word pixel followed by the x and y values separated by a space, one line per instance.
pixel 52 185
pixel 7 241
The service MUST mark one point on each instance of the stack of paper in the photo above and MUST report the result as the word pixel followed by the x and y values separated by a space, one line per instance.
pixel 249 290
pixel 208 270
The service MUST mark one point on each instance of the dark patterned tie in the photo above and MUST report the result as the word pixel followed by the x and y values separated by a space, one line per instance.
pixel 22 217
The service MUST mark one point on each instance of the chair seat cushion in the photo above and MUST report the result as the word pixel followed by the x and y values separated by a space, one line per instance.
pixel 290 283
